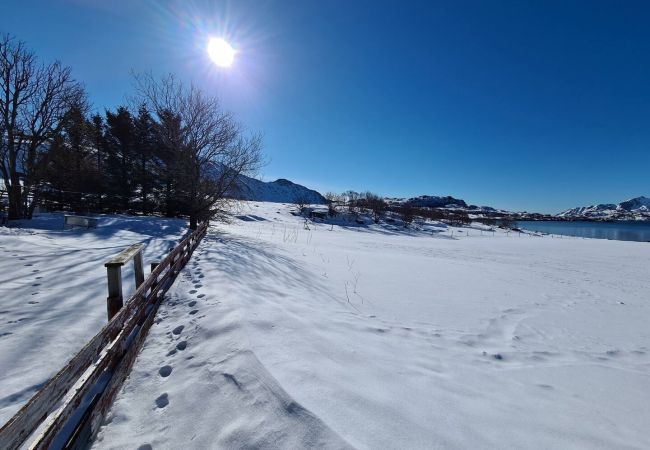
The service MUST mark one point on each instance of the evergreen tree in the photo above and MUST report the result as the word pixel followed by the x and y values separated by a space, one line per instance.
pixel 120 142
pixel 146 164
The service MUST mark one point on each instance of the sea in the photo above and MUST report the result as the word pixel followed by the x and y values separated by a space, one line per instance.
pixel 620 231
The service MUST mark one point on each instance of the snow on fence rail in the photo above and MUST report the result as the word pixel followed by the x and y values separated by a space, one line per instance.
pixel 68 410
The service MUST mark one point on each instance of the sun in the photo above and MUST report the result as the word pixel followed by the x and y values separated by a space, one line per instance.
pixel 220 52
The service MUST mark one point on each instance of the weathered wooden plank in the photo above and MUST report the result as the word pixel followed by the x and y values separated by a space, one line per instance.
pixel 14 432
pixel 109 358
pixel 125 255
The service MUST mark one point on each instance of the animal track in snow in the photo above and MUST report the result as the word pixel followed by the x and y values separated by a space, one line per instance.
pixel 198 286
pixel 178 329
pixel 193 291
pixel 181 345
pixel 194 311
pixel 165 371
pixel 192 303
pixel 162 400
pixel 200 296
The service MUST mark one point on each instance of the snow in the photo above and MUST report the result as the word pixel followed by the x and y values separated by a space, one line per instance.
pixel 279 336
pixel 53 292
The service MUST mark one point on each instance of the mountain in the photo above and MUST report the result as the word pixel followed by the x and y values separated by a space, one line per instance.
pixel 278 191
pixel 637 208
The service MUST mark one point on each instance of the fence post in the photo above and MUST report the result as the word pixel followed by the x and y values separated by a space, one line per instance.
pixel 138 269
pixel 115 299
pixel 114 302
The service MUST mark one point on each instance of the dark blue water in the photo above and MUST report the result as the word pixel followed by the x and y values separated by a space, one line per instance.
pixel 620 231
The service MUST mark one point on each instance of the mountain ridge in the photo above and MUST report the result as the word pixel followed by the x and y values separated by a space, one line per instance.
pixel 278 191
pixel 637 208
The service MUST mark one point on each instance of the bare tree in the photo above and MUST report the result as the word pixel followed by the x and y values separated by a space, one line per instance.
pixel 210 149
pixel 301 203
pixel 351 199
pixel 376 204
pixel 332 202
pixel 407 213
pixel 34 100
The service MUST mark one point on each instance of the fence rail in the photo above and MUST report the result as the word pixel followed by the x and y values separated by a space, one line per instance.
pixel 68 410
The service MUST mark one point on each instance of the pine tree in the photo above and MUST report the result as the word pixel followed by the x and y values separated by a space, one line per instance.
pixel 146 164
pixel 120 141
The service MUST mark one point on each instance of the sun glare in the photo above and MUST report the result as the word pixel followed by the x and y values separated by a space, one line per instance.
pixel 220 52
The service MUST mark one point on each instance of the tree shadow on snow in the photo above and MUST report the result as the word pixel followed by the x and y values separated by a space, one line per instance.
pixel 261 267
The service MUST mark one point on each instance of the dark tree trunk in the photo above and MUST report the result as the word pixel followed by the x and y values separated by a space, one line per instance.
pixel 193 222
pixel 15 199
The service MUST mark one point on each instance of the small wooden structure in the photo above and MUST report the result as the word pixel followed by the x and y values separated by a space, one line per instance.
pixel 79 221
pixel 318 215
pixel 68 411
pixel 114 274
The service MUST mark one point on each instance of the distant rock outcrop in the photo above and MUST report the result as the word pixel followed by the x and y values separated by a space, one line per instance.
pixel 432 201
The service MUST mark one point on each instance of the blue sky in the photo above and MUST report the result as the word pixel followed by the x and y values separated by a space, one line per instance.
pixel 537 105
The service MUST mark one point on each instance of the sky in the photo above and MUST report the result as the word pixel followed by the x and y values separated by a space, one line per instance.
pixel 522 105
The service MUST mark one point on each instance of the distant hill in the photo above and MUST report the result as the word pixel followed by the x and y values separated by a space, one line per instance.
pixel 432 201
pixel 279 191
pixel 637 208
pixel 444 202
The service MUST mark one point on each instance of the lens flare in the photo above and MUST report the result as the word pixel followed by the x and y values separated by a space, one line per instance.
pixel 220 52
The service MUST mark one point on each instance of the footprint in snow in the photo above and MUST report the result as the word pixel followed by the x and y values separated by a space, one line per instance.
pixel 194 311
pixel 178 329
pixel 162 401
pixel 198 286
pixel 165 371
pixel 200 296
pixel 193 291
pixel 192 303
pixel 201 276
pixel 145 447
pixel 181 345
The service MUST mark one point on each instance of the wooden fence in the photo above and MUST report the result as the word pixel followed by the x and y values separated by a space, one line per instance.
pixel 68 411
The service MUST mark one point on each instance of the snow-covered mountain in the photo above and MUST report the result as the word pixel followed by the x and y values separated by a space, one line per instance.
pixel 637 208
pixel 279 191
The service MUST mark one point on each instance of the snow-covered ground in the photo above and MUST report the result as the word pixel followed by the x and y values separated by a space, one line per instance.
pixel 277 336
pixel 53 292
